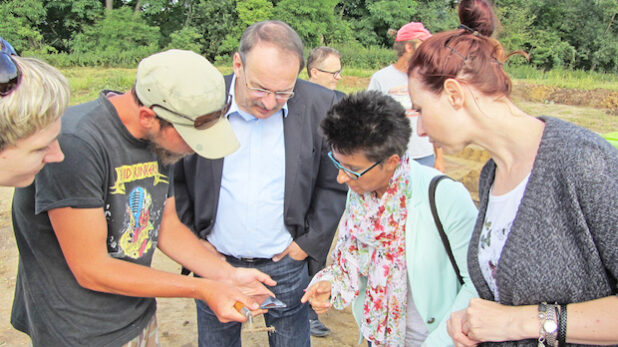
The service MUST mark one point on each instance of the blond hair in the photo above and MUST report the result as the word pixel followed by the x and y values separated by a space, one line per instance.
pixel 39 100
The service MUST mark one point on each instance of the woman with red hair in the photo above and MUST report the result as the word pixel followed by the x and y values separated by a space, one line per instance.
pixel 545 243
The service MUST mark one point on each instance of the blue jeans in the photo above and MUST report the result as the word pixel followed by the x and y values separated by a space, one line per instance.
pixel 291 323
pixel 427 161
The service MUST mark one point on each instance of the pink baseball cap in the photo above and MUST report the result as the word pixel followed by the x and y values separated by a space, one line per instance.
pixel 411 31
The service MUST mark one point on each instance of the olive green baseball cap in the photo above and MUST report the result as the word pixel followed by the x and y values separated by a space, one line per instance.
pixel 185 89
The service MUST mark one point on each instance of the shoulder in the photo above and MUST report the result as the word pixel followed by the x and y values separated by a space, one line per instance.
pixel 311 98
pixel 421 177
pixel 574 150
pixel 382 72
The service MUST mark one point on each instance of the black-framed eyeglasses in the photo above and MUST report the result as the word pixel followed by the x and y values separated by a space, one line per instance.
pixel 260 93
pixel 205 121
pixel 10 74
pixel 334 73
pixel 352 174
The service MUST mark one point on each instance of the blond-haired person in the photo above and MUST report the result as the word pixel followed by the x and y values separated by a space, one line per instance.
pixel 33 96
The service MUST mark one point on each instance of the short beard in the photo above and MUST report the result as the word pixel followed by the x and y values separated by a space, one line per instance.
pixel 166 157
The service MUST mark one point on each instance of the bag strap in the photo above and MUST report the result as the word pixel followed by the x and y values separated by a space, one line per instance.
pixel 434 211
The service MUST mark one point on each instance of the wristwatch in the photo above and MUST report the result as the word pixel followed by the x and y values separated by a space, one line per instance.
pixel 548 332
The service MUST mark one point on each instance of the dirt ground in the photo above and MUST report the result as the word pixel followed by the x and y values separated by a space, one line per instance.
pixel 177 316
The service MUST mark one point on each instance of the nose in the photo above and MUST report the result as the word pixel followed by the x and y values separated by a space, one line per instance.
pixel 54 153
pixel 420 131
pixel 269 101
pixel 342 177
pixel 338 77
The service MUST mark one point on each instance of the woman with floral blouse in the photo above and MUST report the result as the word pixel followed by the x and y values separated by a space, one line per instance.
pixel 389 261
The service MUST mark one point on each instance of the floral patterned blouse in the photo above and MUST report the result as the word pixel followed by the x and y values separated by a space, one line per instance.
pixel 371 244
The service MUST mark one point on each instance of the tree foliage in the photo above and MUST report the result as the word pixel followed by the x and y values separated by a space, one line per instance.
pixel 575 34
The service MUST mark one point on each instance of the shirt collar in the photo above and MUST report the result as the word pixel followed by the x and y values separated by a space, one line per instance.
pixel 247 116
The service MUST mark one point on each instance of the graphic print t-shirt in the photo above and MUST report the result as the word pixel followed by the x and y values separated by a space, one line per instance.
pixel 104 167
pixel 393 82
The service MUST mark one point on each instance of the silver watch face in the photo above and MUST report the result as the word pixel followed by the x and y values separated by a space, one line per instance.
pixel 550 326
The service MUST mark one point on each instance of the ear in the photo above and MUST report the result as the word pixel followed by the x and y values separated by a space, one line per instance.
pixel 454 93
pixel 147 118
pixel 237 63
pixel 392 162
pixel 409 47
pixel 314 71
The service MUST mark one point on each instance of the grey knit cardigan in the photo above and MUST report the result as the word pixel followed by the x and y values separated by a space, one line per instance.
pixel 563 244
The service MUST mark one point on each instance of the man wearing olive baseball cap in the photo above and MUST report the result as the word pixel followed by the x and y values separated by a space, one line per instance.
pixel 184 89
pixel 88 226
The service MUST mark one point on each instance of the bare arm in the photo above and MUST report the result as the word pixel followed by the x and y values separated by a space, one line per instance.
pixel 180 244
pixel 82 235
pixel 591 322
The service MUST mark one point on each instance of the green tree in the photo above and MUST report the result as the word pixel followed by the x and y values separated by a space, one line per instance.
pixel 121 33
pixel 371 19
pixel 315 22
pixel 64 19
pixel 19 23
pixel 213 20
pixel 249 12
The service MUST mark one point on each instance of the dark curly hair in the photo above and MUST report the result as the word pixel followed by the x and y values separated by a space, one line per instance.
pixel 367 121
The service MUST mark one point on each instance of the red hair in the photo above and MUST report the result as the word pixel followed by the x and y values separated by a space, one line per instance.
pixel 468 53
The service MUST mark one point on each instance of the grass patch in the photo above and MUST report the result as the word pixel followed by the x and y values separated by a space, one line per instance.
pixel 578 79
pixel 87 82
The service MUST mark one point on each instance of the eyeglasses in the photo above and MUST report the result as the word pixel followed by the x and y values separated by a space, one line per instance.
pixel 352 174
pixel 10 75
pixel 205 121
pixel 260 93
pixel 335 74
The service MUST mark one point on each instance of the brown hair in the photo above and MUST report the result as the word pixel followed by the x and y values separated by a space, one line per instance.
pixel 318 55
pixel 468 53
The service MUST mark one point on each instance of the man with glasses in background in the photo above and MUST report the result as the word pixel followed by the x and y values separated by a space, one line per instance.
pixel 88 227
pixel 33 96
pixel 324 67
pixel 274 204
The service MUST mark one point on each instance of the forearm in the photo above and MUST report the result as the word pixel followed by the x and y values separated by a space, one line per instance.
pixel 125 278
pixel 593 322
pixel 181 245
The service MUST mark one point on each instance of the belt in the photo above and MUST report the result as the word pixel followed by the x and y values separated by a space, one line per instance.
pixel 250 260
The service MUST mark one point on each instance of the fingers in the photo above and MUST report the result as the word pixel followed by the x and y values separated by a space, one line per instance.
pixel 248 301
pixel 280 256
pixel 267 280
pixel 309 294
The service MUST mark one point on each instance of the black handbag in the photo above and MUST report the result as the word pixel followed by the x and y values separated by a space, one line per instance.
pixel 434 211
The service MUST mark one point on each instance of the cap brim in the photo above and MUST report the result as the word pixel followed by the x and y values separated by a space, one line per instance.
pixel 213 143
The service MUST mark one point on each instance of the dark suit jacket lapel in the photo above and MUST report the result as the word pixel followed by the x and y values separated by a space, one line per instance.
pixel 292 132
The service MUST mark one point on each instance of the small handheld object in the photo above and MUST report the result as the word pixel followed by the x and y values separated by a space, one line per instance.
pixel 244 310
pixel 271 302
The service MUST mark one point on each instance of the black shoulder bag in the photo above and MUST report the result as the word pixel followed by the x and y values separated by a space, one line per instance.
pixel 436 218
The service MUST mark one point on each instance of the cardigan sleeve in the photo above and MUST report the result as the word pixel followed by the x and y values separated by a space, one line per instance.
pixel 458 215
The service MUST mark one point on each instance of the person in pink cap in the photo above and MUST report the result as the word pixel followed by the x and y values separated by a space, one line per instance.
pixel 393 80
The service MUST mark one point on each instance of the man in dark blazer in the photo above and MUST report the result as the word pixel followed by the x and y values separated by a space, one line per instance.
pixel 275 203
